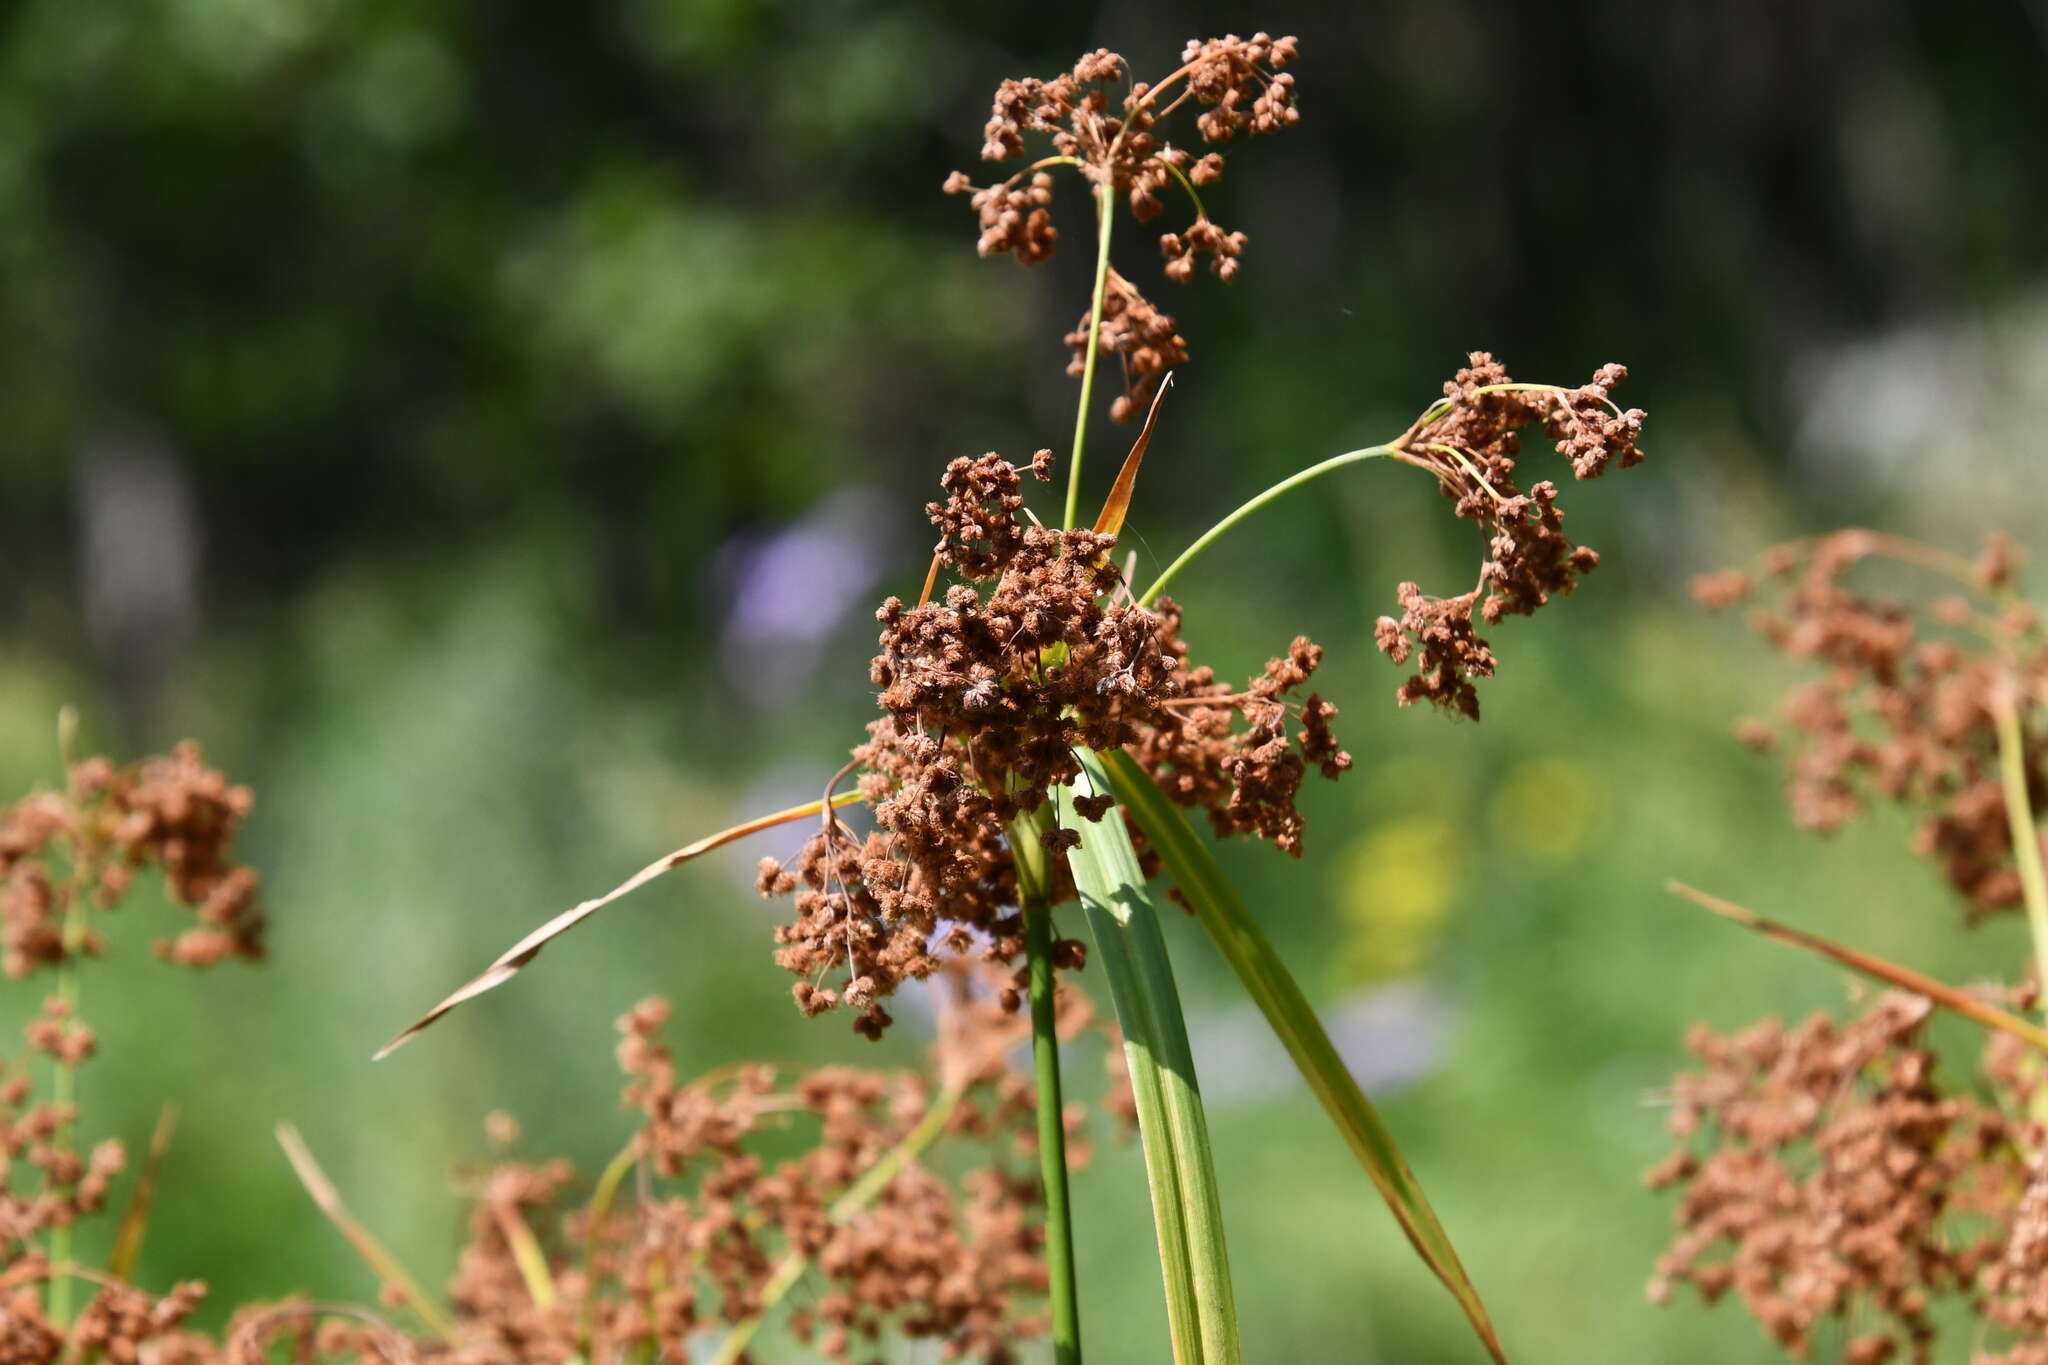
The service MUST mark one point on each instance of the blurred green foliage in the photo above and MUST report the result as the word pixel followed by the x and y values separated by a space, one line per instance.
pixel 489 342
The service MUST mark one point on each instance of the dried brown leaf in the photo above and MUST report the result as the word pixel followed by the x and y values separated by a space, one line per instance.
pixel 519 954
pixel 1905 978
pixel 1119 502
pixel 135 1220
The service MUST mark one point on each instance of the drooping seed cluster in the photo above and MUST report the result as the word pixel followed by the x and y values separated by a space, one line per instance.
pixel 1471 442
pixel 986 693
pixel 1146 342
pixel 1113 139
pixel 1904 707
pixel 1247 780
pixel 1826 1178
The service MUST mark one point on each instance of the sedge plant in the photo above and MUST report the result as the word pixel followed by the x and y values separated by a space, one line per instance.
pixel 1043 737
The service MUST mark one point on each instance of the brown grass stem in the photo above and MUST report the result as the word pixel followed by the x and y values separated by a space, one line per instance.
pixel 513 959
pixel 1952 998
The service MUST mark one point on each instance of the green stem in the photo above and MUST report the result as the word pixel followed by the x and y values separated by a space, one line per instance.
pixel 64 1088
pixel 1029 856
pixel 1105 215
pixel 1187 185
pixel 600 1209
pixel 1288 484
pixel 2026 837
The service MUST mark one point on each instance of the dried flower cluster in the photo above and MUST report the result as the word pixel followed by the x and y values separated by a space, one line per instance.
pixel 66 856
pixel 1471 441
pixel 66 1185
pixel 1905 704
pixel 1842 1182
pixel 1113 139
pixel 714 1237
pixel 120 1323
pixel 1827 1178
pixel 954 1260
pixel 986 693
pixel 933 1258
pixel 1146 340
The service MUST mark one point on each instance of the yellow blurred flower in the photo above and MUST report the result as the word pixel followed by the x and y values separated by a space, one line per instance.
pixel 1397 885
pixel 1545 809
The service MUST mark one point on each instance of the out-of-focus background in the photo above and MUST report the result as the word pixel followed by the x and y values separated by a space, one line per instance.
pixel 489 427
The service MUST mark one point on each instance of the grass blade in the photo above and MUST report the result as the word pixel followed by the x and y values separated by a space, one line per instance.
pixel 599 1210
pixel 1224 914
pixel 1891 973
pixel 2019 814
pixel 1186 1203
pixel 135 1219
pixel 526 1254
pixel 527 949
pixel 381 1261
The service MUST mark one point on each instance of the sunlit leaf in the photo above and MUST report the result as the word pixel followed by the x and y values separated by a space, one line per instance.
pixel 1186 1204
pixel 1224 914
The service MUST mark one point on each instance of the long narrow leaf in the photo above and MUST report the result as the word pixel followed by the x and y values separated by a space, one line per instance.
pixel 135 1221
pixel 527 949
pixel 1891 973
pixel 386 1266
pixel 1187 1205
pixel 1224 914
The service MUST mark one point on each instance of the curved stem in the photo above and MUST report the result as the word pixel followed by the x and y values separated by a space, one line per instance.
pixel 1186 185
pixel 1105 214
pixel 1291 482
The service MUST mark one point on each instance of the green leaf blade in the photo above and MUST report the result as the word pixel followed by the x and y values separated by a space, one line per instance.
pixel 1229 922
pixel 1186 1200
